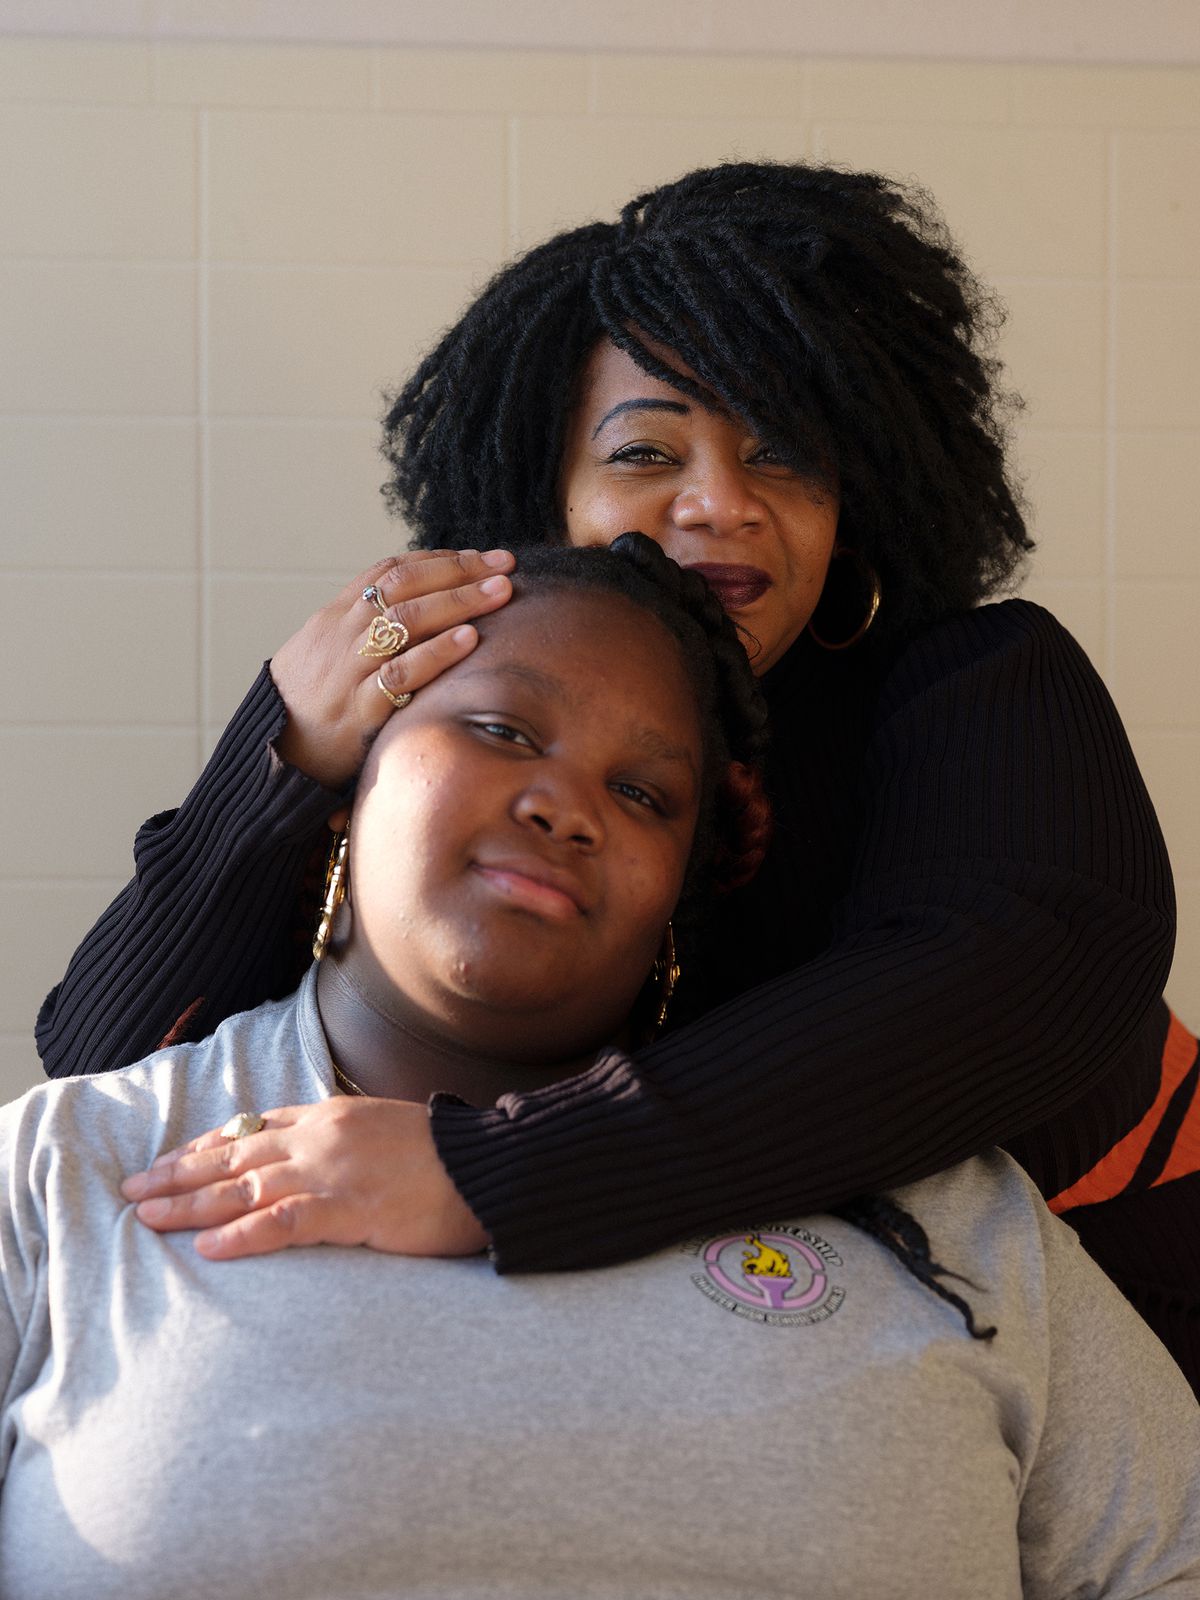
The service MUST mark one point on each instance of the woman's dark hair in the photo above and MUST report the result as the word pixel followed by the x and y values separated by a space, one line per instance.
pixel 827 309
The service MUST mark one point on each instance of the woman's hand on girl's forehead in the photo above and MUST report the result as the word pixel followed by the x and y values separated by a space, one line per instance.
pixel 336 679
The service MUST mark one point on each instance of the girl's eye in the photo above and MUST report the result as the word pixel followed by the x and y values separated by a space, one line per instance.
pixel 642 454
pixel 503 731
pixel 640 796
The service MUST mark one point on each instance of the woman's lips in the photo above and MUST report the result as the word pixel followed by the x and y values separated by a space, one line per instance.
pixel 542 891
pixel 736 587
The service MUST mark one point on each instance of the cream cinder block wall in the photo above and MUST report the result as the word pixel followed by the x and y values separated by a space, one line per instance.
pixel 216 257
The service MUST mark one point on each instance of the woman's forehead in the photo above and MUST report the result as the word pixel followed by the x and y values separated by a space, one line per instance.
pixel 609 370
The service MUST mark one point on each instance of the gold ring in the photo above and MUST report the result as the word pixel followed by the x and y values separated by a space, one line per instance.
pixel 398 700
pixel 384 637
pixel 243 1124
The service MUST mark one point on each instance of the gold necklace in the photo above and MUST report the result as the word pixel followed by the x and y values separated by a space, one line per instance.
pixel 348 1084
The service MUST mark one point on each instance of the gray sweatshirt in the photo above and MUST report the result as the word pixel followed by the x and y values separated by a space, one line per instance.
pixel 773 1410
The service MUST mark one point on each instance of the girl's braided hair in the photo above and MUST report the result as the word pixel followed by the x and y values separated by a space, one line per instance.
pixel 828 309
pixel 900 1232
pixel 734 827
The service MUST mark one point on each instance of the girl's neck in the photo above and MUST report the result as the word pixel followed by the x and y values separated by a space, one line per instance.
pixel 384 1048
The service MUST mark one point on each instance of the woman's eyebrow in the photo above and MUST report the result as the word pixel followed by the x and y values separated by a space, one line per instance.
pixel 679 407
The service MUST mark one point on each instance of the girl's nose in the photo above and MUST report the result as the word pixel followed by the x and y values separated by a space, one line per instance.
pixel 556 806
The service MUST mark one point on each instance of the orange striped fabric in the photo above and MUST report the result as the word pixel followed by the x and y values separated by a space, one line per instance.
pixel 1164 1145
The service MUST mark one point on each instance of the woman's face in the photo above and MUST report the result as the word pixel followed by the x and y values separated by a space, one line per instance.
pixel 522 829
pixel 642 455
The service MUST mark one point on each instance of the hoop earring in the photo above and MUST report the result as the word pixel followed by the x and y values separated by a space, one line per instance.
pixel 335 891
pixel 870 577
pixel 666 976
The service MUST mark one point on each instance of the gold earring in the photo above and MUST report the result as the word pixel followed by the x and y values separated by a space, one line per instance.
pixel 666 975
pixel 869 577
pixel 335 891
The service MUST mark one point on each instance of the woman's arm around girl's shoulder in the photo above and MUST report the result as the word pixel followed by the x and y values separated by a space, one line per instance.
pixel 1000 948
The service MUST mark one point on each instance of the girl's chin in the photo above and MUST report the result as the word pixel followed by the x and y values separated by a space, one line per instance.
pixel 546 1021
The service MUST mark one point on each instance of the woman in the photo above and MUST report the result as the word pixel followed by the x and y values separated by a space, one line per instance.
pixel 336 1421
pixel 781 375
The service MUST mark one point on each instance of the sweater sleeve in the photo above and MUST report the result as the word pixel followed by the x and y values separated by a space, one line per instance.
pixel 1006 933
pixel 211 910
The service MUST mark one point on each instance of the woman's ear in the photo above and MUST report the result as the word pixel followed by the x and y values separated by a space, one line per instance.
pixel 338 820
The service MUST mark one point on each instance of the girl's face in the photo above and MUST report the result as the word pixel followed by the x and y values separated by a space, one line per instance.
pixel 642 455
pixel 522 829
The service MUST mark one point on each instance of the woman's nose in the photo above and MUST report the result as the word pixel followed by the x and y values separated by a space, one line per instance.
pixel 719 498
pixel 557 806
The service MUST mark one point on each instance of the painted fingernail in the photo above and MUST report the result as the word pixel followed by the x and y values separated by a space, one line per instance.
pixel 494 586
pixel 496 558
pixel 153 1210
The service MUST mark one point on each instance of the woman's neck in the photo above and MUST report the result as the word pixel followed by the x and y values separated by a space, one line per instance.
pixel 385 1048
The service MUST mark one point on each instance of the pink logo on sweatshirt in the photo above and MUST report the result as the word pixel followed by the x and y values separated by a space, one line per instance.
pixel 777 1275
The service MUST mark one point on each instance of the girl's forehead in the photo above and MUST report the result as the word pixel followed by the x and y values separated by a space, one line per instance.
pixel 597 641
pixel 578 669
pixel 548 613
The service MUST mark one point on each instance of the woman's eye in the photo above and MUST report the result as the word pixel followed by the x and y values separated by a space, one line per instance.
pixel 642 454
pixel 763 455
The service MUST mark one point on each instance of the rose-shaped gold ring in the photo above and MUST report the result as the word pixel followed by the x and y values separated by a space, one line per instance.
pixel 384 637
